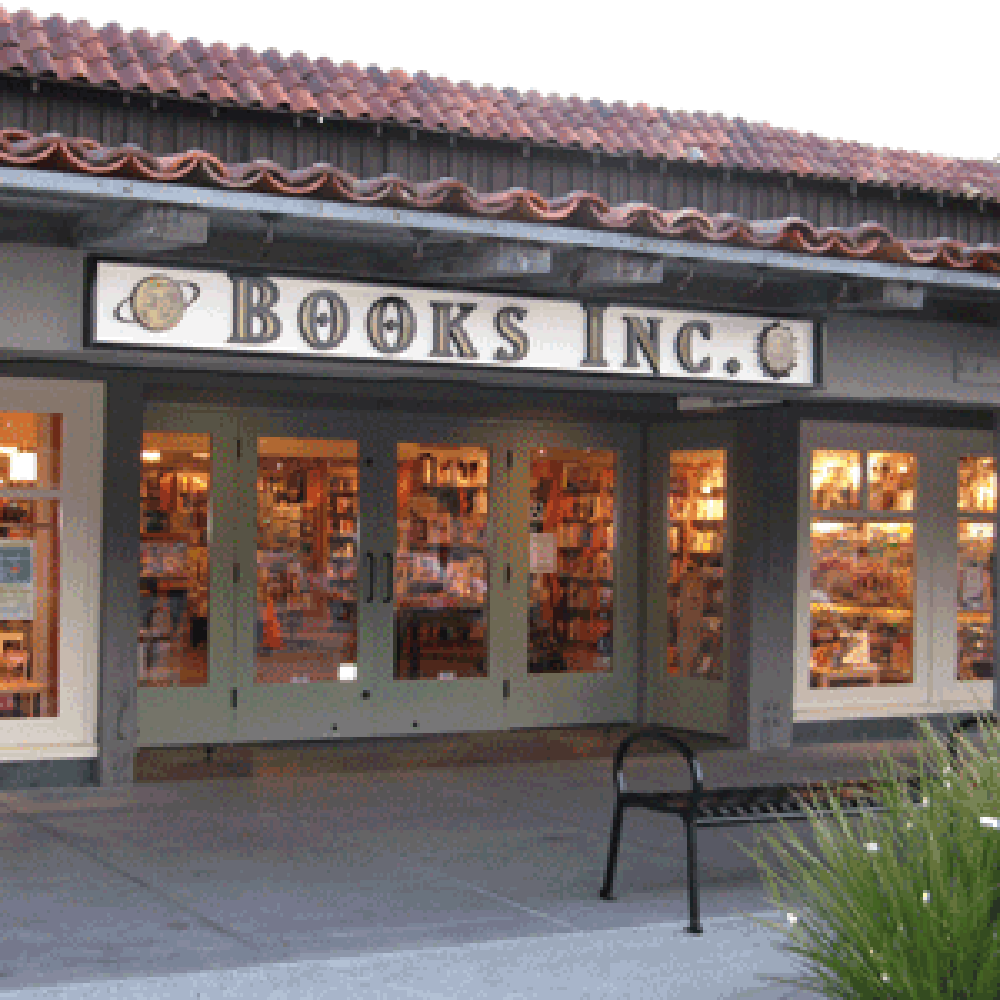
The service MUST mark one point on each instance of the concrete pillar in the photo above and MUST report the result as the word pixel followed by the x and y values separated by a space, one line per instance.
pixel 120 578
pixel 764 532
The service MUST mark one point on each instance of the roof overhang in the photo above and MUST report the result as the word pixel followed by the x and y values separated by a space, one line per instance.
pixel 66 187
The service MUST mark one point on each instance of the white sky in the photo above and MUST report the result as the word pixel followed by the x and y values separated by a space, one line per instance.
pixel 910 75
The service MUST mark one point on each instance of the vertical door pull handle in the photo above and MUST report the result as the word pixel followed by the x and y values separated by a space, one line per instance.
pixel 370 559
pixel 389 581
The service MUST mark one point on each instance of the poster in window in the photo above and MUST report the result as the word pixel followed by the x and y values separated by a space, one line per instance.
pixel 17 579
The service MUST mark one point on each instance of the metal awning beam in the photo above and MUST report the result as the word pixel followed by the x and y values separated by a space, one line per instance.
pixel 78 187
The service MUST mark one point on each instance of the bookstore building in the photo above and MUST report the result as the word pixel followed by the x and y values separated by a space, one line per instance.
pixel 312 494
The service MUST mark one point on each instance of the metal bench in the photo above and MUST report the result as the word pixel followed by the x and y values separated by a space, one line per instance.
pixel 734 806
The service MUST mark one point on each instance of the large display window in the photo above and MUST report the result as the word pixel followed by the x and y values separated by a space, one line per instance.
pixel 51 436
pixel 895 602
pixel 861 568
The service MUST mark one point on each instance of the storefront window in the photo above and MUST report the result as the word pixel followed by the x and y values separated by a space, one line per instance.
pixel 30 451
pixel 697 545
pixel 862 603
pixel 442 564
pixel 173 576
pixel 891 480
pixel 307 561
pixel 836 480
pixel 572 560
pixel 977 489
pixel 977 485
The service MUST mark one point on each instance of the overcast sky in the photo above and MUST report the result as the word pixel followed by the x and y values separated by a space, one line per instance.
pixel 907 75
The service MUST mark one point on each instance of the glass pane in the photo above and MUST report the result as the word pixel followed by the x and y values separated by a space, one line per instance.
pixel 977 485
pixel 30 450
pixel 697 543
pixel 892 478
pixel 862 603
pixel 836 480
pixel 975 600
pixel 307 561
pixel 173 546
pixel 29 608
pixel 571 578
pixel 442 566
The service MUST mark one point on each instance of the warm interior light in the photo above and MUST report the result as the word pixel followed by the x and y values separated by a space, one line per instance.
pixel 150 456
pixel 24 467
pixel 201 455
pixel 827 527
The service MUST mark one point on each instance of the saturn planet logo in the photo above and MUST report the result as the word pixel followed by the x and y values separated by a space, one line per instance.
pixel 157 303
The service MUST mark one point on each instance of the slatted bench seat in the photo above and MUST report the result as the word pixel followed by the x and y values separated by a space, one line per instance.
pixel 699 806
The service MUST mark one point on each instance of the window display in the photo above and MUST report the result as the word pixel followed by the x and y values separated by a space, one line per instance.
pixel 572 560
pixel 862 603
pixel 977 490
pixel 697 535
pixel 307 561
pixel 442 564
pixel 891 480
pixel 836 480
pixel 173 547
pixel 861 579
pixel 30 453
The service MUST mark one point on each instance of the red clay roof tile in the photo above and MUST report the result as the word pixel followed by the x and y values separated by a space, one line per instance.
pixel 138 60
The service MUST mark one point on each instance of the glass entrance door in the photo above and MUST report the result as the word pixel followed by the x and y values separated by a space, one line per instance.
pixel 443 590
pixel 367 606
pixel 184 645
pixel 314 575
pixel 573 644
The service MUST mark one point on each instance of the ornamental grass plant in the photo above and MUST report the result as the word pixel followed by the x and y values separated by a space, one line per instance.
pixel 905 904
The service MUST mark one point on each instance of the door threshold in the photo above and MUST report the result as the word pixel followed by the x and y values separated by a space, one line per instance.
pixel 383 753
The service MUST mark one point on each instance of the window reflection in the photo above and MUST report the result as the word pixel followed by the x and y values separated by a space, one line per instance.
pixel 697 544
pixel 861 603
pixel 442 567
pixel 29 608
pixel 307 560
pixel 173 547
pixel 572 545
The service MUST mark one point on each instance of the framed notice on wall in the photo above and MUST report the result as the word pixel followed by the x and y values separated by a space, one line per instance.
pixel 17 579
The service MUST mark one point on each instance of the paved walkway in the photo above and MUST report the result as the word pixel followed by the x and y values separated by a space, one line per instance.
pixel 444 882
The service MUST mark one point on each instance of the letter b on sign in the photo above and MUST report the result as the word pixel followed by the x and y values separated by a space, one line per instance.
pixel 254 319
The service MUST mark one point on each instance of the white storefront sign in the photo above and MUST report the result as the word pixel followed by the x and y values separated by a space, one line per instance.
pixel 203 310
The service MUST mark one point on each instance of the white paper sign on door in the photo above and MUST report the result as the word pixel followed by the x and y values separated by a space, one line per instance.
pixel 543 552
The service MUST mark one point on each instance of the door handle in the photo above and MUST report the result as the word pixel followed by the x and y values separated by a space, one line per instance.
pixel 389 581
pixel 370 559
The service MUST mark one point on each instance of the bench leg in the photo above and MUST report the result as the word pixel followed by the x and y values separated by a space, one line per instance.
pixel 616 836
pixel 694 902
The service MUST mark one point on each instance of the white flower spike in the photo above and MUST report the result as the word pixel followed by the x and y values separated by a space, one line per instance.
pixel 990 821
pixel 872 847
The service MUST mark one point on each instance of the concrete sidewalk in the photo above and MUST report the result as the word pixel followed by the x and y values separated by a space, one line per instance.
pixel 476 881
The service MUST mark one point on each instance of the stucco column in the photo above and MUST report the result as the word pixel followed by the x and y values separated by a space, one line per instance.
pixel 120 579
pixel 764 526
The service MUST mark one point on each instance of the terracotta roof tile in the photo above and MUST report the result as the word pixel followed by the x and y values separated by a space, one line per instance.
pixel 220 92
pixel 12 60
pixel 139 59
pixel 868 241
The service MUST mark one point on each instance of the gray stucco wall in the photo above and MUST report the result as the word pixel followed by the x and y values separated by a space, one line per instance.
pixel 896 358
pixel 41 298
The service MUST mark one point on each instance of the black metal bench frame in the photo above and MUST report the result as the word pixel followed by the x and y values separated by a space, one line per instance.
pixel 735 806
